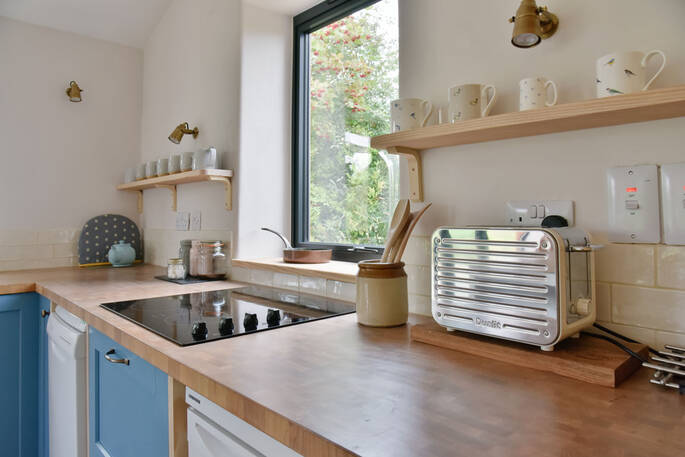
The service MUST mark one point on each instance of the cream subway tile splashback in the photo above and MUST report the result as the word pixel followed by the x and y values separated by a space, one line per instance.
pixel 316 286
pixel 263 277
pixel 65 250
pixel 420 304
pixel 671 266
pixel 675 339
pixel 603 301
pixel 18 237
pixel 58 236
pixel 240 274
pixel 163 244
pixel 643 335
pixel 286 281
pixel 418 251
pixel 662 309
pixel 341 290
pixel 626 263
pixel 418 280
pixel 28 249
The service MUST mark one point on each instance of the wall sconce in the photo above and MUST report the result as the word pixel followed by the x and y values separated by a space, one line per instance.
pixel 532 24
pixel 74 92
pixel 182 129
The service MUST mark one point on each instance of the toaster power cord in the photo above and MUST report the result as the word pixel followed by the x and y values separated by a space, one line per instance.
pixel 624 338
pixel 617 343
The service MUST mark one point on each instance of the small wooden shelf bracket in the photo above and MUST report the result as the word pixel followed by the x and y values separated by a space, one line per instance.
pixel 414 168
pixel 229 190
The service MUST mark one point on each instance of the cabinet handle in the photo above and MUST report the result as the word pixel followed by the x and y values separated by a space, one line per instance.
pixel 44 313
pixel 113 360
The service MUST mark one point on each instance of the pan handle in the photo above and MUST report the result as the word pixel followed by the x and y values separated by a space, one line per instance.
pixel 281 236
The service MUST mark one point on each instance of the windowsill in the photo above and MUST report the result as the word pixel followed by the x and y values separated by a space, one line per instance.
pixel 335 270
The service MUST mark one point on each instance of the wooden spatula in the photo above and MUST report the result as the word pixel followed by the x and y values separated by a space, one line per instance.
pixel 402 243
pixel 397 223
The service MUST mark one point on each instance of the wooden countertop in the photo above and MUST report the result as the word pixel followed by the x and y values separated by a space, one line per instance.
pixel 334 388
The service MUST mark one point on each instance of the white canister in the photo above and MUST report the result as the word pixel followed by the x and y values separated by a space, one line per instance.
pixel 186 161
pixel 174 163
pixel 470 101
pixel 163 167
pixel 151 169
pixel 382 299
pixel 625 72
pixel 409 113
pixel 205 159
pixel 533 93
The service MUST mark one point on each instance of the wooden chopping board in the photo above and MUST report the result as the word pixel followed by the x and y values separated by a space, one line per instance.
pixel 586 358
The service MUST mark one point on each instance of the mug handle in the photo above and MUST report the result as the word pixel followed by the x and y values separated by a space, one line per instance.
pixel 661 68
pixel 554 90
pixel 483 94
pixel 430 111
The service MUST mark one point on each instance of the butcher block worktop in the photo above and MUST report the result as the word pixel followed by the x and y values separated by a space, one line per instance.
pixel 333 388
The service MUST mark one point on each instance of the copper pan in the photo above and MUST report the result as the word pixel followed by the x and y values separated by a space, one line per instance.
pixel 301 255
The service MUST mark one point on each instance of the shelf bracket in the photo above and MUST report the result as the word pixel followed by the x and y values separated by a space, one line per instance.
pixel 172 188
pixel 140 202
pixel 414 168
pixel 229 190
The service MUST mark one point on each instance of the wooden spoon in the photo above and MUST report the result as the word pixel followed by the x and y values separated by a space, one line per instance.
pixel 413 220
pixel 397 223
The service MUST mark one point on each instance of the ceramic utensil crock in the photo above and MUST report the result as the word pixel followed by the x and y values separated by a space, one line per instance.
pixel 382 294
pixel 625 72
pixel 470 101
pixel 409 113
pixel 533 93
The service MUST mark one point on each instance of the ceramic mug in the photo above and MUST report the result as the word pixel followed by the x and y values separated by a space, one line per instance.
pixel 468 101
pixel 625 72
pixel 140 172
pixel 533 93
pixel 205 159
pixel 174 163
pixel 409 113
pixel 129 175
pixel 151 169
pixel 186 161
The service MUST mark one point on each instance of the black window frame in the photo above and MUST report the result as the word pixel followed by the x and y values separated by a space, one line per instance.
pixel 304 24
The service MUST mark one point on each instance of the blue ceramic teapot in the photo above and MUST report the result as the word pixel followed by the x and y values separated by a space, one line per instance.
pixel 121 254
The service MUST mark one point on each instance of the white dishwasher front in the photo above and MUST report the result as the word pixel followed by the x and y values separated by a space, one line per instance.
pixel 67 389
pixel 214 432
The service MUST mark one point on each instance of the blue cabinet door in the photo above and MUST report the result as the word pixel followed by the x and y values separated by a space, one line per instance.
pixel 43 413
pixel 19 375
pixel 128 410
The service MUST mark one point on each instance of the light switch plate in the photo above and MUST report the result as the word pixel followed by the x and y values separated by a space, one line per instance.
pixel 633 204
pixel 195 221
pixel 530 213
pixel 182 221
pixel 673 200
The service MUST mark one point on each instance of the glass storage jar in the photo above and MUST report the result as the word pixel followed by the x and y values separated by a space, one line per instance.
pixel 212 261
pixel 176 269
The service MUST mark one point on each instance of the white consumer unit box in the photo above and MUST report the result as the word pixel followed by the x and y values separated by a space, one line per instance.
pixel 633 204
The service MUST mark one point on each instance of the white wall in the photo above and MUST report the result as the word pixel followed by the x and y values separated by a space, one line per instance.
pixel 191 73
pixel 60 161
pixel 444 43
pixel 263 181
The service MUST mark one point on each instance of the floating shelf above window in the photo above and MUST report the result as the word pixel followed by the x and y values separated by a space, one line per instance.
pixel 171 181
pixel 601 112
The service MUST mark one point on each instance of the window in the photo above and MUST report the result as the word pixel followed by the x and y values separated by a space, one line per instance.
pixel 345 75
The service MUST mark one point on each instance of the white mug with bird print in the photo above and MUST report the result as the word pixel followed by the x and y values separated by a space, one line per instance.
pixel 625 72
pixel 533 93
pixel 470 101
pixel 409 113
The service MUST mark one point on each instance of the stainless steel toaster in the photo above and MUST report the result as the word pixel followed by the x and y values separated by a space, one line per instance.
pixel 531 285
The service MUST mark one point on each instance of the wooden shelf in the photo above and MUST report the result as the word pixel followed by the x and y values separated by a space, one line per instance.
pixel 622 109
pixel 171 181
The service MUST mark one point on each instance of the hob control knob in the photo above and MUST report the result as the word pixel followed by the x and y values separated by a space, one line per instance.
pixel 250 321
pixel 199 331
pixel 273 317
pixel 226 325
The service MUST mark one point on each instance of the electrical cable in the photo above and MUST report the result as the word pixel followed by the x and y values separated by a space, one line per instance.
pixel 624 338
pixel 617 343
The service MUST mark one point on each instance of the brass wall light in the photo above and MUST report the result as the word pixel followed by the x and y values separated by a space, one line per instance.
pixel 532 24
pixel 74 92
pixel 180 130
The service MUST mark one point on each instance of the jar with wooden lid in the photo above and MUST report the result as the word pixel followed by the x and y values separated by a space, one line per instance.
pixel 382 299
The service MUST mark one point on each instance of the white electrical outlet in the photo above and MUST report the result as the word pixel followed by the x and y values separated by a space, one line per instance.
pixel 182 221
pixel 530 213
pixel 195 221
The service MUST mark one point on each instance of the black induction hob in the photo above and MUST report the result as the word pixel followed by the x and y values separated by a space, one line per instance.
pixel 208 316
